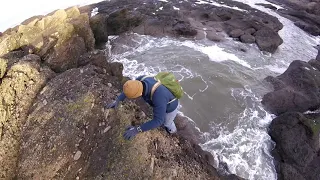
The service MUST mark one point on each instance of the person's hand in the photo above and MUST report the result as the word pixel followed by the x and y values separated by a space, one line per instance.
pixel 130 132
pixel 114 104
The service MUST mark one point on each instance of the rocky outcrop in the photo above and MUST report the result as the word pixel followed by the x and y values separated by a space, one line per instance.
pixel 21 80
pixel 305 14
pixel 84 140
pixel 297 150
pixel 59 39
pixel 296 131
pixel 297 89
pixel 53 125
pixel 193 20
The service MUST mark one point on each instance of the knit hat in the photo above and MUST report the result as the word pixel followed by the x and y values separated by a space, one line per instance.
pixel 133 89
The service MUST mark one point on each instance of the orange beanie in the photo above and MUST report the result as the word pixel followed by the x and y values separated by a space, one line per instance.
pixel 133 89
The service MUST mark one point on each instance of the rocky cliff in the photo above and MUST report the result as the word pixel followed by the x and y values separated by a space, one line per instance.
pixel 296 130
pixel 54 85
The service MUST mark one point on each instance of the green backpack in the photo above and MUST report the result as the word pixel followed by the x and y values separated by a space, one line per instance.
pixel 169 81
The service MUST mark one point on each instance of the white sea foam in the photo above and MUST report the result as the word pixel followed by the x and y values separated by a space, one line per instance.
pixel 219 5
pixel 94 11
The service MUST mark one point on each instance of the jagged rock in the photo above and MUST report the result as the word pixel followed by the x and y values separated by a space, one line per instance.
pixel 98 25
pixel 97 58
pixel 297 144
pixel 66 55
pixel 297 89
pixel 312 29
pixel 247 38
pixel 22 81
pixel 122 20
pixel 46 157
pixel 267 40
pixel 318 56
pixel 184 28
pixel 51 37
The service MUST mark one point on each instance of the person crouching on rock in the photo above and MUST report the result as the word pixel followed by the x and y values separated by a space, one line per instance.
pixel 164 103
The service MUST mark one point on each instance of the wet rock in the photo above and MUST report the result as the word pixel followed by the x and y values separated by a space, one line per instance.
pixel 312 29
pixel 269 6
pixel 297 89
pixel 247 38
pixel 213 36
pixel 267 40
pixel 122 20
pixel 184 28
pixel 98 25
pixel 305 14
pixel 236 33
pixel 297 144
pixel 250 31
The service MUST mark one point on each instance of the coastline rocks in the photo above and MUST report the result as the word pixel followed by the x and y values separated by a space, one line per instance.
pixel 297 149
pixel 297 89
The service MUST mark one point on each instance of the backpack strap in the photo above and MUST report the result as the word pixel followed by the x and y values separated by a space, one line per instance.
pixel 154 87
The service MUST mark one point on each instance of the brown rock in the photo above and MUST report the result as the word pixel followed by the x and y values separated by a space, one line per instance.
pixel 82 28
pixel 19 86
pixel 67 55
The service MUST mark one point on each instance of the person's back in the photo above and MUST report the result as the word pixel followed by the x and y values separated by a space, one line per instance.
pixel 164 103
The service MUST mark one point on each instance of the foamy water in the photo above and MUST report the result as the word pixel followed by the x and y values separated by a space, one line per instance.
pixel 244 146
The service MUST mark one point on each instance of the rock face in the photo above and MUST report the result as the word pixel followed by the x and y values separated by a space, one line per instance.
pixel 59 39
pixel 297 89
pixel 191 21
pixel 297 150
pixel 295 131
pixel 21 80
pixel 305 14
pixel 84 140
pixel 53 89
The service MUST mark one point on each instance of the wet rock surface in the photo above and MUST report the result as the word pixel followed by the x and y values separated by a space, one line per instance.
pixel 305 14
pixel 296 130
pixel 191 20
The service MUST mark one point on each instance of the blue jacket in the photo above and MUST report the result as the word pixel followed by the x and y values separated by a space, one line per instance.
pixel 160 99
